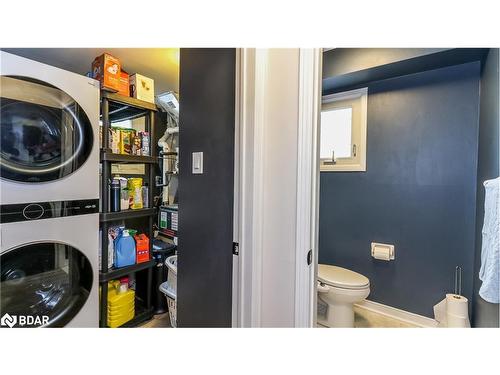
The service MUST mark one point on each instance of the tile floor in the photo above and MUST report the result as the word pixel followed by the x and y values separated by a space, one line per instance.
pixel 158 321
pixel 364 318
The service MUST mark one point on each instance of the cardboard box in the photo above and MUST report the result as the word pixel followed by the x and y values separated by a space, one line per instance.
pixel 124 84
pixel 142 88
pixel 126 136
pixel 107 69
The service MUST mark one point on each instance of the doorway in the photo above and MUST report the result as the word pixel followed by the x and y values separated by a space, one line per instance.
pixel 378 243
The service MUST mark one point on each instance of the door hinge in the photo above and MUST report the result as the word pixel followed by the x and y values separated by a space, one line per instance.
pixel 236 248
pixel 309 257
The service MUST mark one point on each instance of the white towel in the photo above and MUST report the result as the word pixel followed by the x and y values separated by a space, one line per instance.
pixel 489 273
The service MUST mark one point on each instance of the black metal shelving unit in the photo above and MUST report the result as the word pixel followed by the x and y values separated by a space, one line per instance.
pixel 114 108
pixel 123 215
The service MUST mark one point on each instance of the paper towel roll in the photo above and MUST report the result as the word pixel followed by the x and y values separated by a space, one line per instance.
pixel 453 321
pixel 457 305
pixel 452 312
pixel 440 313
pixel 457 311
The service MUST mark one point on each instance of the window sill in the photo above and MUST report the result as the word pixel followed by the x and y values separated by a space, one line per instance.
pixel 342 168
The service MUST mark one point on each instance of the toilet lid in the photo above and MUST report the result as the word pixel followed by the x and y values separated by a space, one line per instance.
pixel 341 277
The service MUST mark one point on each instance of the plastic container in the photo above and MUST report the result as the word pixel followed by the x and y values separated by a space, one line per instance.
pixel 160 252
pixel 171 263
pixel 171 297
pixel 121 306
pixel 124 250
pixel 114 195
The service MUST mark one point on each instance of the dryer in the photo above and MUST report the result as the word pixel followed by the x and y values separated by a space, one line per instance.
pixel 49 264
pixel 49 122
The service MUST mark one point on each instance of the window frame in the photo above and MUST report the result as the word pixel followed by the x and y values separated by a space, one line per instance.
pixel 350 164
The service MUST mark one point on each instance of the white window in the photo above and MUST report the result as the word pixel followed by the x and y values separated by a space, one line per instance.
pixel 343 131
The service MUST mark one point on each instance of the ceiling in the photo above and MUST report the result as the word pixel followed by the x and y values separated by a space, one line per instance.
pixel 160 64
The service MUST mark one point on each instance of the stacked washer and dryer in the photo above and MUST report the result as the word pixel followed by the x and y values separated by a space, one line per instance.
pixel 49 213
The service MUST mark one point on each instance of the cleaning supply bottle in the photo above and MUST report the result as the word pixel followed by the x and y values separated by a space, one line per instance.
pixel 124 249
pixel 121 303
pixel 123 288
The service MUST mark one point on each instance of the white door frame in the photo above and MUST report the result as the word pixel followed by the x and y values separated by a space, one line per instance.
pixel 308 187
pixel 236 198
pixel 251 102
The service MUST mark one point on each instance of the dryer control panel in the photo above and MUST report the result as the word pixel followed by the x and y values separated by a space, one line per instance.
pixel 10 213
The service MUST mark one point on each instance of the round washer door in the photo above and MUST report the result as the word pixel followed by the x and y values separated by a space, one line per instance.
pixel 44 284
pixel 45 134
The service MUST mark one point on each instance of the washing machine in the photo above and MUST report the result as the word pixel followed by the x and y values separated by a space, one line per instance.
pixel 49 191
pixel 49 122
pixel 49 264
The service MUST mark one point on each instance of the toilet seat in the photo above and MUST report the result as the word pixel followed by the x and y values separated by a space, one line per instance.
pixel 343 278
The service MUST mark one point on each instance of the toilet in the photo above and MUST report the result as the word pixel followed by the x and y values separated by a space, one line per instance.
pixel 340 289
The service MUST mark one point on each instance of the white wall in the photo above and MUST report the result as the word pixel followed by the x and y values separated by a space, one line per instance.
pixel 280 188
pixel 270 86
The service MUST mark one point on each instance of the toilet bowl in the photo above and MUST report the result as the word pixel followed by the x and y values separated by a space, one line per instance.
pixel 340 289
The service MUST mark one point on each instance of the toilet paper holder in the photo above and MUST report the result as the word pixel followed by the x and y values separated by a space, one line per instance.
pixel 382 251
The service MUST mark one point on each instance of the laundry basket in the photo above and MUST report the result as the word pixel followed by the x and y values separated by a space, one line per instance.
pixel 171 263
pixel 172 302
pixel 169 288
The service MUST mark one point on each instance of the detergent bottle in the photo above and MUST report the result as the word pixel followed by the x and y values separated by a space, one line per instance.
pixel 124 249
pixel 121 303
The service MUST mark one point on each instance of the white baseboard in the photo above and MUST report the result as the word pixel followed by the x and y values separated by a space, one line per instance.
pixel 392 312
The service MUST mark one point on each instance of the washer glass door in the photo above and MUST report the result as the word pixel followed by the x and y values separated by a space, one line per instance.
pixel 44 279
pixel 45 134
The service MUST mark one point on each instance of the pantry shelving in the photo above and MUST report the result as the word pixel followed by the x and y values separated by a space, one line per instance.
pixel 142 314
pixel 120 272
pixel 118 158
pixel 122 108
pixel 129 214
pixel 121 100
pixel 116 108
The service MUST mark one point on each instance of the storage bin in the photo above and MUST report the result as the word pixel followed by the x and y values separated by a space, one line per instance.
pixel 171 297
pixel 171 263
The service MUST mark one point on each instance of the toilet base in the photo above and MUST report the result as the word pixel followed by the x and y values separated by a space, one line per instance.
pixel 340 315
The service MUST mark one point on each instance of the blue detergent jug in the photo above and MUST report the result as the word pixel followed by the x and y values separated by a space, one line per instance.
pixel 124 249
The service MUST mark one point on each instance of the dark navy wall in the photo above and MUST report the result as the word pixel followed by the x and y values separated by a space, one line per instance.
pixel 418 193
pixel 206 123
pixel 485 314
pixel 346 68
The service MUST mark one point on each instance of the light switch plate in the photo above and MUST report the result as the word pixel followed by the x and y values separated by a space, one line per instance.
pixel 197 162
